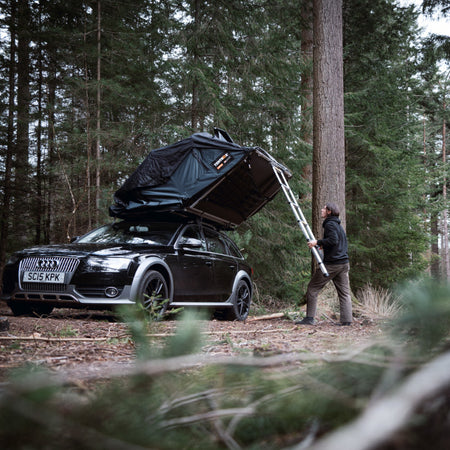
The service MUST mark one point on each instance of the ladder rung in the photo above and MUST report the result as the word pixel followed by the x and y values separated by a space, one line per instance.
pixel 303 224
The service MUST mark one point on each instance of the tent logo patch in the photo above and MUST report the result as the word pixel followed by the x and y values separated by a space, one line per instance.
pixel 222 161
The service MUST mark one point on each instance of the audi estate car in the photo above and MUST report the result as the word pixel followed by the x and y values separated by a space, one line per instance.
pixel 161 264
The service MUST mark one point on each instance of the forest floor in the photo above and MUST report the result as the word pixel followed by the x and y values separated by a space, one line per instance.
pixel 77 341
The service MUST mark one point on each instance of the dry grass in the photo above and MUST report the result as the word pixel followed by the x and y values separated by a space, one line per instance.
pixel 377 303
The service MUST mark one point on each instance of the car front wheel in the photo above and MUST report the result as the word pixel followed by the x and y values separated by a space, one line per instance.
pixel 154 293
pixel 241 301
pixel 25 309
pixel 20 308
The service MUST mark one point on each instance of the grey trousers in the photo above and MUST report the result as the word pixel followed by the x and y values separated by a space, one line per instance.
pixel 338 274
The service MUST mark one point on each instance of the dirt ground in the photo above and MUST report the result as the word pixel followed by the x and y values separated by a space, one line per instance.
pixel 90 340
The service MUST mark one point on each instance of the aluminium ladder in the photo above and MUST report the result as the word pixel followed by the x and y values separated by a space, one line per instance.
pixel 299 215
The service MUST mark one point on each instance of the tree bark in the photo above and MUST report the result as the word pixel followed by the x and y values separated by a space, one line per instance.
pixel 88 129
pixel 38 207
pixel 51 150
pixel 307 46
pixel 21 164
pixel 195 89
pixel 434 229
pixel 97 146
pixel 445 259
pixel 6 206
pixel 328 110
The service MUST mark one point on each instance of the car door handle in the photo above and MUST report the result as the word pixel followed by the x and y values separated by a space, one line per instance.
pixel 208 263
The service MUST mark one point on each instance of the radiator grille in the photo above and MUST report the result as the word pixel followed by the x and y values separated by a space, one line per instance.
pixel 50 264
pixel 47 264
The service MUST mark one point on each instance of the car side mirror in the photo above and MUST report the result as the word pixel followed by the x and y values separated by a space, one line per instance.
pixel 191 243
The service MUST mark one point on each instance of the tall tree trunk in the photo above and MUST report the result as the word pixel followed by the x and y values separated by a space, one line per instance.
pixel 6 206
pixel 38 205
pixel 307 46
pixel 445 259
pixel 434 230
pixel 434 220
pixel 22 168
pixel 51 150
pixel 328 110
pixel 98 128
pixel 88 128
pixel 195 93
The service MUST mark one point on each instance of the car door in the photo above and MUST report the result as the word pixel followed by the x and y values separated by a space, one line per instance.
pixel 224 265
pixel 193 273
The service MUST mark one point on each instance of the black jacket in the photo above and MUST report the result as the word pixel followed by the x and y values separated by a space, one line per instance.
pixel 334 242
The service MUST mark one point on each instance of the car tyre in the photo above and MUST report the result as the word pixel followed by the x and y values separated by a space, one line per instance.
pixel 241 301
pixel 25 309
pixel 154 293
pixel 20 308
pixel 42 310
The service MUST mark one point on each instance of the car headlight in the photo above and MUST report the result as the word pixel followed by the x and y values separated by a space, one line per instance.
pixel 115 264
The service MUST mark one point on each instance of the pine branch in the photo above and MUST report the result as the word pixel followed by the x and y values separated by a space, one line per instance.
pixel 388 415
pixel 156 367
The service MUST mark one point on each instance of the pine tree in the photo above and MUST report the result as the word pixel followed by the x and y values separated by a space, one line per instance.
pixel 386 179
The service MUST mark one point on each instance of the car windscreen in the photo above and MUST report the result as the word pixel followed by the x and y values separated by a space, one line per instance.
pixel 131 233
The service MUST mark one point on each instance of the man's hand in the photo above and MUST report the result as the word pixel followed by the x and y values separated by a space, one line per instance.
pixel 312 244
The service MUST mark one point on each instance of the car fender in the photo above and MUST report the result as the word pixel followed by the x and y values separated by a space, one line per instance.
pixel 242 275
pixel 146 265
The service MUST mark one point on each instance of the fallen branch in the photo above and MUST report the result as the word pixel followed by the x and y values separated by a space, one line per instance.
pixel 162 335
pixel 208 416
pixel 266 317
pixel 56 339
pixel 278 330
pixel 229 332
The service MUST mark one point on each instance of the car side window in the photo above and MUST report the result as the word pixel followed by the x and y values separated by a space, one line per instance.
pixel 194 233
pixel 234 251
pixel 215 242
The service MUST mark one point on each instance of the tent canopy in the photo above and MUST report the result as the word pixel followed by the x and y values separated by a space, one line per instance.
pixel 202 176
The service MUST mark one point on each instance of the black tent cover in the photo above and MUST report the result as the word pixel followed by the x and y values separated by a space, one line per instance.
pixel 202 176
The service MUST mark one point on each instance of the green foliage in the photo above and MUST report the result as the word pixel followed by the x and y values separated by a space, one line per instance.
pixel 426 317
pixel 215 404
pixel 139 324
pixel 277 247
pixel 385 176
pixel 188 338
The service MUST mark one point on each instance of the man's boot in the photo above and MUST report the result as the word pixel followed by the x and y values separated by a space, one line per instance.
pixel 305 321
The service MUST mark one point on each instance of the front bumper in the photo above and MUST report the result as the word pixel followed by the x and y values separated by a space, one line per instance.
pixel 70 297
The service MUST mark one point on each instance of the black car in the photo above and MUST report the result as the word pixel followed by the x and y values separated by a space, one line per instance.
pixel 166 264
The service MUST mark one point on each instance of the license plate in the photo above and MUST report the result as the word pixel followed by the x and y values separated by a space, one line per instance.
pixel 43 277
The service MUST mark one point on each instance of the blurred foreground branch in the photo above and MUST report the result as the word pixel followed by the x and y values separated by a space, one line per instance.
pixel 388 415
pixel 155 367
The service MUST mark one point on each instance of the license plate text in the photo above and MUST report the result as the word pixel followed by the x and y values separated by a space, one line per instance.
pixel 43 277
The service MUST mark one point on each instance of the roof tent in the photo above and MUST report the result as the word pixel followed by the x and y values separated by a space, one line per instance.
pixel 201 176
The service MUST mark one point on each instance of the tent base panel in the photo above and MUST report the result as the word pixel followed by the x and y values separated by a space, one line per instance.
pixel 240 194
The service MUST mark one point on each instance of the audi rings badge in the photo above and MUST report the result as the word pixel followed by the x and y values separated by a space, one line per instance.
pixel 47 264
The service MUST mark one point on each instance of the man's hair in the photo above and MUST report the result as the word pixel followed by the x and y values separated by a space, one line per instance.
pixel 333 208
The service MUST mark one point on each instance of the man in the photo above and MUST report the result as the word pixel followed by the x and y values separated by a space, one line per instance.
pixel 335 251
